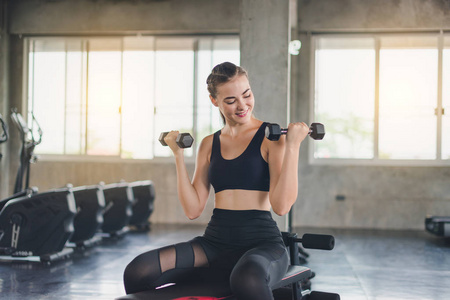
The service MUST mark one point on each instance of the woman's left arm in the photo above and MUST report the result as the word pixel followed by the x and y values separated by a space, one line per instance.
pixel 283 167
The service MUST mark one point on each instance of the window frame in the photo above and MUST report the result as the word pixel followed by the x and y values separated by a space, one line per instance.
pixel 117 158
pixel 376 161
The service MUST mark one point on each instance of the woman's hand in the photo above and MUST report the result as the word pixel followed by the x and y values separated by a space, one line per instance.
pixel 170 140
pixel 296 133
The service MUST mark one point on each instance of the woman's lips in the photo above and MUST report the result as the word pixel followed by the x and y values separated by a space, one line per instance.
pixel 243 114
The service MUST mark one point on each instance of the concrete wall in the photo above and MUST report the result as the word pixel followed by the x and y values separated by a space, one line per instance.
pixel 376 197
pixel 122 16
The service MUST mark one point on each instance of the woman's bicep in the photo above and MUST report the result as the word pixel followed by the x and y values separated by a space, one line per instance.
pixel 200 179
pixel 275 159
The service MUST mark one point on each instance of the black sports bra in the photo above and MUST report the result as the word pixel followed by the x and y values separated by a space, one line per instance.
pixel 248 171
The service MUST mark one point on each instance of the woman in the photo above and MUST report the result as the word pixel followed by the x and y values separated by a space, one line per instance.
pixel 250 174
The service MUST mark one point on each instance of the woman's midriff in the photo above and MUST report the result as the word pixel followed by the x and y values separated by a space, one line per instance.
pixel 242 200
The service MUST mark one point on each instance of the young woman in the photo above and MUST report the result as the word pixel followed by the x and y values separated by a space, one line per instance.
pixel 250 174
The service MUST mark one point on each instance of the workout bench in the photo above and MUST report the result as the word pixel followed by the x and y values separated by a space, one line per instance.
pixel 290 287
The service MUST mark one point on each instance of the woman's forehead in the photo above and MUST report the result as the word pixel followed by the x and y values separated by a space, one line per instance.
pixel 237 85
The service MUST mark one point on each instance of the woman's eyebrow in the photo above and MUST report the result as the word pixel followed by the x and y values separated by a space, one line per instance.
pixel 229 98
pixel 232 97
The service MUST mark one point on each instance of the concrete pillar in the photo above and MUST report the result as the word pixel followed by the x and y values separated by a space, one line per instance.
pixel 264 42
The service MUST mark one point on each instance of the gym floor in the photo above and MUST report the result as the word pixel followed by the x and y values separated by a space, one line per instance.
pixel 365 264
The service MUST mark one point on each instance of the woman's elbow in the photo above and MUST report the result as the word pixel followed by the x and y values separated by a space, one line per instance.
pixel 193 214
pixel 281 210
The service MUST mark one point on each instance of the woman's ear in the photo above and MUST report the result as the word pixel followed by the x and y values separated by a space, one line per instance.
pixel 213 101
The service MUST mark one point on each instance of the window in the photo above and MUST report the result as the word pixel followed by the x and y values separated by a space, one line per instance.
pixel 382 97
pixel 113 96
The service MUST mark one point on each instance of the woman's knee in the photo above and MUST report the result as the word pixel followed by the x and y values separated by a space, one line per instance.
pixel 249 280
pixel 141 272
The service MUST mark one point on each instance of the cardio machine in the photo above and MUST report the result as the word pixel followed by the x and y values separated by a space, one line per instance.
pixel 118 209
pixel 34 226
pixel 90 203
pixel 143 204
pixel 438 225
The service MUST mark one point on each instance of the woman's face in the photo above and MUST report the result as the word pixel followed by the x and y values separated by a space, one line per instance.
pixel 235 100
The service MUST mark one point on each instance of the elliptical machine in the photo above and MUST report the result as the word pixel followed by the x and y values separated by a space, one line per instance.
pixel 34 226
pixel 29 142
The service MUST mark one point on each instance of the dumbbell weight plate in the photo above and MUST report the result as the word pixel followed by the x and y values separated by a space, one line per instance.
pixel 273 132
pixel 317 131
pixel 184 140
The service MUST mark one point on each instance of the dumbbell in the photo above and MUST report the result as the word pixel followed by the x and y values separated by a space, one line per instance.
pixel 274 131
pixel 184 140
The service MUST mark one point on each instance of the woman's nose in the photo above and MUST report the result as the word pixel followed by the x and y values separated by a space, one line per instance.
pixel 240 104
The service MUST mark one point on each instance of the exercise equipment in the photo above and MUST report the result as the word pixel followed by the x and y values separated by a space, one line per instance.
pixel 37 226
pixel 28 145
pixel 144 197
pixel 274 131
pixel 90 203
pixel 4 134
pixel 31 137
pixel 184 140
pixel 118 208
pixel 289 287
pixel 439 226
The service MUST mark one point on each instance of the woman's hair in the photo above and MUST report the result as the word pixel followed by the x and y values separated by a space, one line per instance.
pixel 221 74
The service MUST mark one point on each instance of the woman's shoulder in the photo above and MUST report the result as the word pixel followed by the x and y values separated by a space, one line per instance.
pixel 207 142
pixel 205 148
pixel 208 139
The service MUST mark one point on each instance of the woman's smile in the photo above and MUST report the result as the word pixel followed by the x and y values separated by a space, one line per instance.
pixel 242 114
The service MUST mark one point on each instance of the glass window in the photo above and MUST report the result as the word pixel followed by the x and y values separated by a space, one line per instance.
pixel 345 97
pixel 47 81
pixel 104 97
pixel 138 98
pixel 408 97
pixel 379 98
pixel 174 87
pixel 114 96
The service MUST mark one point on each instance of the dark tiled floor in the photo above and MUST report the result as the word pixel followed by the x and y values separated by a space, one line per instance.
pixel 364 265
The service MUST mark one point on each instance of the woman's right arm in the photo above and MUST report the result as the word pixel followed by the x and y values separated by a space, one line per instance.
pixel 193 195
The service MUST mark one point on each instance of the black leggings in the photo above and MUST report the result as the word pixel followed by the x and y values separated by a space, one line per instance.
pixel 242 247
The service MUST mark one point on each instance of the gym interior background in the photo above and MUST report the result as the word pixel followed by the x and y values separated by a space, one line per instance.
pixel 385 165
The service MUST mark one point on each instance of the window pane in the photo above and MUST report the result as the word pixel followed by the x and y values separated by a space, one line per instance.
pixel 75 99
pixel 47 92
pixel 446 100
pixel 104 91
pixel 408 96
pixel 344 97
pixel 174 88
pixel 138 100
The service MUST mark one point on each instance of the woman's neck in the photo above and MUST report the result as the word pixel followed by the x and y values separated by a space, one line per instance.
pixel 235 129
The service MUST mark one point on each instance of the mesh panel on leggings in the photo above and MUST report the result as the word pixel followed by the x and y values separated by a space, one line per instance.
pixel 200 259
pixel 167 258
